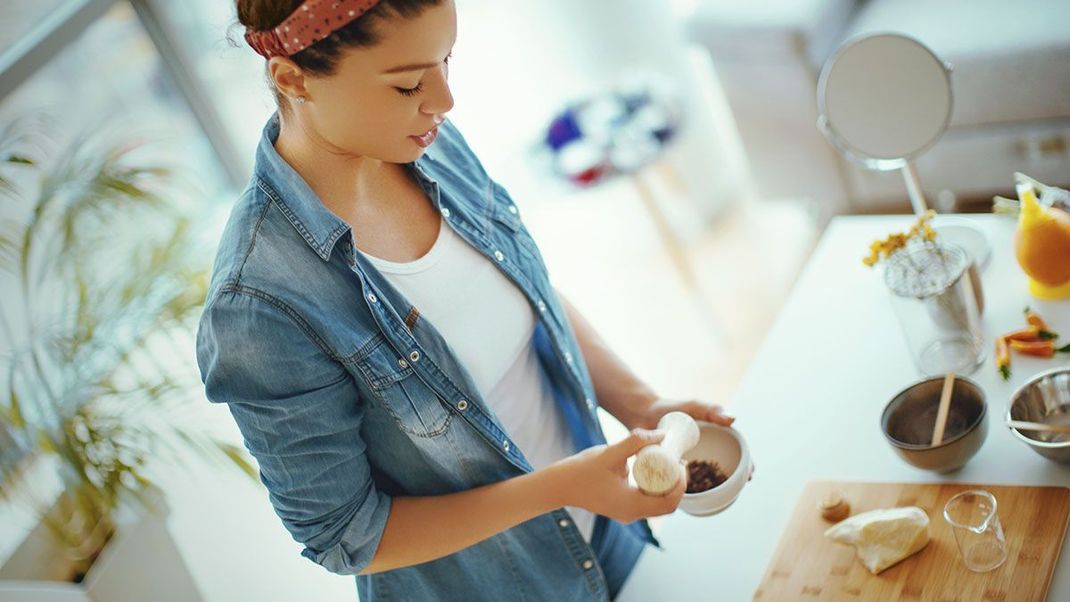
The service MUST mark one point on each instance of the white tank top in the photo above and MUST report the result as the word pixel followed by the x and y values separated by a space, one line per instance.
pixel 489 325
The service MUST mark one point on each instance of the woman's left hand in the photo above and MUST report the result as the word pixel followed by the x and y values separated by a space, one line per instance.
pixel 697 409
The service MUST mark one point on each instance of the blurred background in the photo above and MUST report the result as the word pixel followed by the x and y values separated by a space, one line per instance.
pixel 129 127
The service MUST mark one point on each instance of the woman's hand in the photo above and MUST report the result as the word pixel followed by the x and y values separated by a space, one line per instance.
pixel 596 479
pixel 699 410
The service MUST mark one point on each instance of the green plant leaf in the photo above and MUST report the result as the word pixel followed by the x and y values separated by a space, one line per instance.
pixel 45 443
pixel 237 456
pixel 15 410
pixel 13 136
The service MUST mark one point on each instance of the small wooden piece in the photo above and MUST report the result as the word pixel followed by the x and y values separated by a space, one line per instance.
pixel 834 507
pixel 941 413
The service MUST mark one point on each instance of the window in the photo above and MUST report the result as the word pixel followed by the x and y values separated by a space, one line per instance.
pixel 111 80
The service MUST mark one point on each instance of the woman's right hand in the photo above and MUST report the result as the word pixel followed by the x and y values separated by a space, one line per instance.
pixel 596 479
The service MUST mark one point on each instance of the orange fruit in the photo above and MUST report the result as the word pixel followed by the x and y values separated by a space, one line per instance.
pixel 1042 242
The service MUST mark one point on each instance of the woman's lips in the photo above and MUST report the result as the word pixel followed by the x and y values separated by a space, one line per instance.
pixel 425 140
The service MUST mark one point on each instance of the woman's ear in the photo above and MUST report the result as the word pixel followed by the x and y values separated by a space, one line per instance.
pixel 288 77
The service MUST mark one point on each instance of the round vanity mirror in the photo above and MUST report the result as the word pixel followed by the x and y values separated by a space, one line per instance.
pixel 884 100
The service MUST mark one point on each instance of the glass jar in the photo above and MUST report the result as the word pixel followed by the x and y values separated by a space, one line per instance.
pixel 936 305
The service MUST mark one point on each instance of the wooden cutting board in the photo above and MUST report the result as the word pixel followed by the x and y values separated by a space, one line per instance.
pixel 808 566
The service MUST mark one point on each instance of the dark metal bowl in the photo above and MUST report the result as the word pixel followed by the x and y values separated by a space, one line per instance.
pixel 907 423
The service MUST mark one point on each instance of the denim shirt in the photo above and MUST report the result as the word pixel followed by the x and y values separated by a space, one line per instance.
pixel 347 398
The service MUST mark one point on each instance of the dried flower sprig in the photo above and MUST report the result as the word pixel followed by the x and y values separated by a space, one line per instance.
pixel 921 230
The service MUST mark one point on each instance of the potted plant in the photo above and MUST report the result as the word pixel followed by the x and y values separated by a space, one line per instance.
pixel 100 277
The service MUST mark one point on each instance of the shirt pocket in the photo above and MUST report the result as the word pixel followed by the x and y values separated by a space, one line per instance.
pixel 509 225
pixel 398 390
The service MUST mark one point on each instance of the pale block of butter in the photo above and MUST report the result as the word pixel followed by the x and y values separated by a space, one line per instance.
pixel 883 537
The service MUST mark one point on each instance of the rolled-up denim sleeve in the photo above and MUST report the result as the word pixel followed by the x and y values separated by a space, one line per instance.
pixel 300 415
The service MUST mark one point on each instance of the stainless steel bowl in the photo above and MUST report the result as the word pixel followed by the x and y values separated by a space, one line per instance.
pixel 1044 398
pixel 908 420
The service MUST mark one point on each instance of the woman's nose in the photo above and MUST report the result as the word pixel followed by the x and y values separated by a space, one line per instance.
pixel 439 99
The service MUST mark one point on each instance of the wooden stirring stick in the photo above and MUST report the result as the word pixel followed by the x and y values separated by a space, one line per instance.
pixel 945 404
pixel 1038 426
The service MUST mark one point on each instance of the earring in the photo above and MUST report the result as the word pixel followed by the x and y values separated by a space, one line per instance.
pixel 300 100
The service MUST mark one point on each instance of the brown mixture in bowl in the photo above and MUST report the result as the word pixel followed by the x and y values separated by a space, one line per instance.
pixel 703 475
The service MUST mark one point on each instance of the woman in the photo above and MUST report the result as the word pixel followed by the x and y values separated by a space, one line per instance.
pixel 419 398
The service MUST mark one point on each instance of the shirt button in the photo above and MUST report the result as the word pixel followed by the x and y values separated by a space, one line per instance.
pixel 402 362
pixel 568 357
pixel 505 444
pixel 563 523
pixel 462 405
pixel 499 256
pixel 512 209
pixel 542 306
pixel 588 564
pixel 414 356
pixel 590 404
pixel 445 212
pixel 373 298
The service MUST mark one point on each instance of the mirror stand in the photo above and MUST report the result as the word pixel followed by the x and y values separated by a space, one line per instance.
pixel 917 197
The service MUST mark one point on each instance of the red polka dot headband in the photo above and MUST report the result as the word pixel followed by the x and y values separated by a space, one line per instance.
pixel 311 22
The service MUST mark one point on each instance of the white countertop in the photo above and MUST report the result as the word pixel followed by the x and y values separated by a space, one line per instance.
pixel 810 408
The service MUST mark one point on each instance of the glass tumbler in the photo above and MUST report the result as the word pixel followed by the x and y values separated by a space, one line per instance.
pixel 934 301
pixel 978 533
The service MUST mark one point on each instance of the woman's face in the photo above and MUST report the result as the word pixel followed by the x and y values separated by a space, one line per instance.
pixel 384 102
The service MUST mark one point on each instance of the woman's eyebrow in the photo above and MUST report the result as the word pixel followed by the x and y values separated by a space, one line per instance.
pixel 415 67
